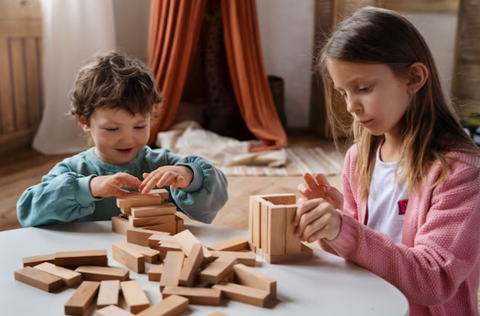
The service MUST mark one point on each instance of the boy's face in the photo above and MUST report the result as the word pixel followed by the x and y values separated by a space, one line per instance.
pixel 118 135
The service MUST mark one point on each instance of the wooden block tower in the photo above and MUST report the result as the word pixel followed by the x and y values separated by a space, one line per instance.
pixel 271 230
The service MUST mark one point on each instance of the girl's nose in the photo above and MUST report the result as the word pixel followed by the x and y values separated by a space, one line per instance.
pixel 353 105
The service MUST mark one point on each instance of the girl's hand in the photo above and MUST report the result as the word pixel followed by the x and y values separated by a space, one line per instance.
pixel 317 187
pixel 174 176
pixel 317 219
pixel 106 186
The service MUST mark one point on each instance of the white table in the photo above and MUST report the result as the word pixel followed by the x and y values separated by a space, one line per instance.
pixel 324 285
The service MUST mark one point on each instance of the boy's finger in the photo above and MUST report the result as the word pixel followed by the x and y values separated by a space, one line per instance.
pixel 178 181
pixel 167 179
pixel 128 181
pixel 149 183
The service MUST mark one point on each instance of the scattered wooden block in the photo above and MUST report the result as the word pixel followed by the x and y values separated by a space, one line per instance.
pixel 39 279
pixel 255 220
pixel 120 225
pixel 74 259
pixel 36 260
pixel 252 278
pixel 108 293
pixel 164 248
pixel 186 240
pixel 126 211
pixel 92 273
pixel 243 294
pixel 164 220
pixel 293 244
pixel 218 314
pixel 154 210
pixel 306 253
pixel 151 255
pixel 245 257
pixel 276 229
pixel 168 227
pixel 135 297
pixel 171 269
pixel 281 198
pixel 195 295
pixel 82 298
pixel 264 238
pixel 113 310
pixel 70 278
pixel 170 306
pixel 140 236
pixel 192 264
pixel 235 244
pixel 155 273
pixel 154 240
pixel 180 224
pixel 128 257
pixel 218 269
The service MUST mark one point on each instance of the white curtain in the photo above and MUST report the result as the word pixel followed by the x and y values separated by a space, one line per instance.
pixel 73 31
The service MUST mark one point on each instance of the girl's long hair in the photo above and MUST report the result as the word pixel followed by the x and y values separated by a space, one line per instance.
pixel 430 128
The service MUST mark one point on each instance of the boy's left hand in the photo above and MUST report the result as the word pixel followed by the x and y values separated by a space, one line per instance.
pixel 173 176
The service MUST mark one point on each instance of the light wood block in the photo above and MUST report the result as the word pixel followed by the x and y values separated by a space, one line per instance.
pixel 120 225
pixel 243 294
pixel 250 277
pixel 276 230
pixel 126 211
pixel 172 268
pixel 154 240
pixel 154 210
pixel 151 255
pixel 170 306
pixel 155 273
pixel 74 259
pixel 81 299
pixel 265 233
pixel 200 296
pixel 306 253
pixel 92 273
pixel 164 248
pixel 255 220
pixel 36 260
pixel 293 244
pixel 281 198
pixel 140 236
pixel 192 264
pixel 152 221
pixel 39 279
pixel 108 293
pixel 180 224
pixel 168 227
pixel 186 240
pixel 70 278
pixel 113 310
pixel 218 314
pixel 245 257
pixel 135 297
pixel 235 244
pixel 218 269
pixel 128 257
pixel 138 199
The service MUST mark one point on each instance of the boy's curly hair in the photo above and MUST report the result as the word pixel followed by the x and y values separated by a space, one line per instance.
pixel 116 81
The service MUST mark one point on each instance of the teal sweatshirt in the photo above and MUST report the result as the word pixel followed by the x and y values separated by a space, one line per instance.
pixel 64 193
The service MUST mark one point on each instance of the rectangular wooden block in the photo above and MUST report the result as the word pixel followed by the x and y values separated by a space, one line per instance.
pixel 172 268
pixel 293 244
pixel 152 221
pixel 218 314
pixel 218 269
pixel 265 233
pixel 170 306
pixel 113 310
pixel 180 224
pixel 276 228
pixel 164 248
pixel 36 260
pixel 200 296
pixel 155 273
pixel 39 279
pixel 70 278
pixel 154 210
pixel 306 253
pixel 281 198
pixel 74 259
pixel 82 298
pixel 138 199
pixel 255 218
pixel 245 257
pixel 108 293
pixel 167 227
pixel 135 297
pixel 186 240
pixel 151 255
pixel 154 240
pixel 128 257
pixel 120 225
pixel 235 244
pixel 250 277
pixel 140 236
pixel 243 294
pixel 92 273
pixel 191 266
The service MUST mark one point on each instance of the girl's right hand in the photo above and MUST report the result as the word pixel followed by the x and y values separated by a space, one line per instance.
pixel 317 187
pixel 106 186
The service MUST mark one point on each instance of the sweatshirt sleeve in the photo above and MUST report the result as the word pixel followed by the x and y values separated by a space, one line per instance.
pixel 62 196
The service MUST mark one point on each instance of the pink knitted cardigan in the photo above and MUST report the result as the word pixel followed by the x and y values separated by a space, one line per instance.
pixel 437 265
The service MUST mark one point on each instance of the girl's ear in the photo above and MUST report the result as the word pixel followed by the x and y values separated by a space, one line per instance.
pixel 418 75
pixel 83 123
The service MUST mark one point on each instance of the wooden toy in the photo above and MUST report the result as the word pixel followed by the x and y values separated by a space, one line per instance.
pixel 113 310
pixel 74 259
pixel 200 296
pixel 191 266
pixel 155 273
pixel 247 258
pixel 128 257
pixel 250 277
pixel 172 268
pixel 36 260
pixel 92 273
pixel 70 278
pixel 218 269
pixel 39 279
pixel 108 293
pixel 135 297
pixel 170 306
pixel 81 299
pixel 243 294
pixel 235 244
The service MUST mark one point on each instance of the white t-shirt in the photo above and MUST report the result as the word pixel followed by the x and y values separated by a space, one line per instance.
pixel 387 200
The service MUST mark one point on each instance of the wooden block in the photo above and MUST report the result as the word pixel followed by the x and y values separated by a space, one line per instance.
pixel 171 269
pixel 217 314
pixel 218 269
pixel 265 234
pixel 128 257
pixel 281 198
pixel 243 294
pixel 113 310
pixel 152 221
pixel 36 260
pixel 92 273
pixel 120 225
pixel 293 244
pixel 235 244
pixel 82 298
pixel 170 306
pixel 306 253
pixel 246 258
pixel 70 278
pixel 192 264
pixel 140 236
pixel 151 255
pixel 180 224
pixel 164 248
pixel 74 259
pixel 256 220
pixel 155 273
pixel 186 240
pixel 168 227
pixel 163 192
pixel 252 278
pixel 276 227
pixel 108 293
pixel 154 240
pixel 138 199
pixel 126 211
pixel 195 295
pixel 135 297
pixel 154 210
pixel 39 279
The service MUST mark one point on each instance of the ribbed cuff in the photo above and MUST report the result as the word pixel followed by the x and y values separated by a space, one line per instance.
pixel 83 194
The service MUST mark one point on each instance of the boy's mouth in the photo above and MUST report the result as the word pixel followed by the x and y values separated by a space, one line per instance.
pixel 125 151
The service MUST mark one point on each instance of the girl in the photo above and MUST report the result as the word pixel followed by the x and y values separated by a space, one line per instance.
pixel 410 210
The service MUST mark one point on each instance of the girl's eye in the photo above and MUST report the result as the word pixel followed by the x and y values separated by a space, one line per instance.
pixel 364 89
pixel 112 129
pixel 140 127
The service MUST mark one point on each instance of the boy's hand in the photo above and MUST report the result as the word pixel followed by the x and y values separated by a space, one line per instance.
pixel 317 187
pixel 106 186
pixel 317 219
pixel 173 176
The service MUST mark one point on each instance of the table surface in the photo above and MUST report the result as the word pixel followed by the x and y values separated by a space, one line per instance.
pixel 323 285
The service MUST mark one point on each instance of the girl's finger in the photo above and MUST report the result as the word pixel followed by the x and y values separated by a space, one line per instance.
pixel 306 220
pixel 321 179
pixel 304 207
pixel 310 181
pixel 314 226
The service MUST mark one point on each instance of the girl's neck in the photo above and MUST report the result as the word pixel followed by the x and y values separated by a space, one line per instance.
pixel 390 150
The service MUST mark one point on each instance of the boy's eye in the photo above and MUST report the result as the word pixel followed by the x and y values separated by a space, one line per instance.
pixel 364 89
pixel 112 129
pixel 140 127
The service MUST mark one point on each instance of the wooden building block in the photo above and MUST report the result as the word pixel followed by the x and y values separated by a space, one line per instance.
pixel 39 279
pixel 186 240
pixel 245 257
pixel 74 259
pixel 255 219
pixel 151 255
pixel 120 225
pixel 70 278
pixel 243 294
pixel 252 278
pixel 235 244
pixel 218 269
pixel 192 264
pixel 135 297
pixel 126 211
pixel 153 210
pixel 128 257
pixel 281 198
pixel 113 310
pixel 108 293
pixel 168 227
pixel 171 269
pixel 155 273
pixel 218 314
pixel 92 273
pixel 36 260
pixel 164 248
pixel 138 199
pixel 140 236
pixel 276 229
pixel 170 306
pixel 195 295
pixel 81 299
pixel 306 253
pixel 265 233
pixel 152 221
pixel 293 244
pixel 180 224
pixel 154 240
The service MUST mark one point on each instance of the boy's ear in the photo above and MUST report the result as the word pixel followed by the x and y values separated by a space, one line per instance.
pixel 83 123
pixel 418 75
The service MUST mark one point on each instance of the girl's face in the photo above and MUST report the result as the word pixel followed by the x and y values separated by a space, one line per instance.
pixel 375 97
pixel 118 135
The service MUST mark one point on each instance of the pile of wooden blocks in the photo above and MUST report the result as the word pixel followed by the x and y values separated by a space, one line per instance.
pixel 271 230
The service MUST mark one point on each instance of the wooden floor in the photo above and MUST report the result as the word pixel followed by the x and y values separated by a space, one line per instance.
pixel 21 171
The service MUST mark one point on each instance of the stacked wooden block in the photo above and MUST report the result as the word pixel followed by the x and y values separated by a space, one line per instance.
pixel 271 230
